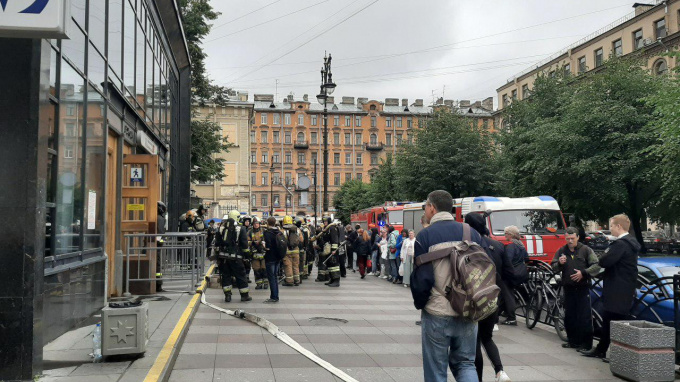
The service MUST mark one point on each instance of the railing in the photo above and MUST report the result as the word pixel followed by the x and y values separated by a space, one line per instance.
pixel 179 257
pixel 301 145
pixel 374 146
pixel 589 37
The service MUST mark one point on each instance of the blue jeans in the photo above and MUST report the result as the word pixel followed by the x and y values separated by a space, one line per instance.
pixel 375 266
pixel 394 268
pixel 273 277
pixel 448 341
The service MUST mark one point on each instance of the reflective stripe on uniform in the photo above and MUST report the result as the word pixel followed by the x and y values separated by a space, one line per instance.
pixel 244 290
pixel 226 289
pixel 159 275
pixel 334 269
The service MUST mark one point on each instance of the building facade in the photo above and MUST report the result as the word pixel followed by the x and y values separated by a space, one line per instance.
pixel 650 31
pixel 91 125
pixel 233 191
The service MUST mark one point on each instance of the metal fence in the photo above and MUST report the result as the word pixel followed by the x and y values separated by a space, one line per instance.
pixel 177 257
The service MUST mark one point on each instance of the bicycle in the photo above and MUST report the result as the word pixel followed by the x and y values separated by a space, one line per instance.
pixel 546 302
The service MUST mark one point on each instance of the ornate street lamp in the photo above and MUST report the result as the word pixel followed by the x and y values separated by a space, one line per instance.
pixel 327 88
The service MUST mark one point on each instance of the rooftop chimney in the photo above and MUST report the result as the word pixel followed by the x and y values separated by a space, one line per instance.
pixel 391 101
pixel 404 102
pixel 419 102
pixel 362 100
pixel 330 100
pixel 290 98
pixel 264 97
pixel 448 102
pixel 242 96
pixel 305 98
pixel 642 8
pixel 464 103
pixel 348 100
pixel 477 104
pixel 488 104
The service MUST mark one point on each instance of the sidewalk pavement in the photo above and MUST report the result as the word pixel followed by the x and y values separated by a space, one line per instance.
pixel 67 359
pixel 379 342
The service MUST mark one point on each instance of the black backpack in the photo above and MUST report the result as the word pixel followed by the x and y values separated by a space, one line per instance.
pixel 293 238
pixel 281 245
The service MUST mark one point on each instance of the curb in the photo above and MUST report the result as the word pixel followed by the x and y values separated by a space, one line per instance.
pixel 165 361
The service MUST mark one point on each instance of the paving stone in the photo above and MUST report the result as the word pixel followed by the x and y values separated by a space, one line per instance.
pixel 101 368
pixel 194 361
pixel 290 360
pixel 193 375
pixel 243 375
pixel 231 348
pixel 295 374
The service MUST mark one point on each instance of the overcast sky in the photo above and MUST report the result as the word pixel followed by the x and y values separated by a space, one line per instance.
pixel 393 48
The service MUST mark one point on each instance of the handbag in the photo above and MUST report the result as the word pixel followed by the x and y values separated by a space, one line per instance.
pixel 401 269
pixel 369 263
pixel 393 250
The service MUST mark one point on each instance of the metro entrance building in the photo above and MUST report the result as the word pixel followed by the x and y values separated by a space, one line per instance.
pixel 94 129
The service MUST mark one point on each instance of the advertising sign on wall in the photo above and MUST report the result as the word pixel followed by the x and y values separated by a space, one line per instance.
pixel 34 18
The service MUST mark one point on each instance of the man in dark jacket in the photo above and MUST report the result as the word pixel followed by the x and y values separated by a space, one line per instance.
pixel 620 276
pixel 272 259
pixel 577 263
pixel 446 338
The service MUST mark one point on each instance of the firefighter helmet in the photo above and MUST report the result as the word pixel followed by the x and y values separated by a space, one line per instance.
pixel 233 214
pixel 287 220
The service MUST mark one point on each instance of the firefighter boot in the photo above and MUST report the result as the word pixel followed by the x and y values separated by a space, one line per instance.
pixel 334 283
pixel 259 286
pixel 245 297
pixel 227 296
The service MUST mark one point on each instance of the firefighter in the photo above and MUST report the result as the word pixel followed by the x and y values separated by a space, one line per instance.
pixel 160 230
pixel 232 240
pixel 257 251
pixel 329 262
pixel 245 222
pixel 302 225
pixel 291 262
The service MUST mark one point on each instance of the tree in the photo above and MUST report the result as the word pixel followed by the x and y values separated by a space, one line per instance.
pixel 588 142
pixel 384 184
pixel 351 197
pixel 204 144
pixel 448 153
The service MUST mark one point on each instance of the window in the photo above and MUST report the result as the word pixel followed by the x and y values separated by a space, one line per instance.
pixel 314 137
pixel 599 56
pixel 398 121
pixel 301 119
pixel 336 120
pixel 336 179
pixel 265 157
pixel 70 130
pixel 277 119
pixel 525 91
pixel 253 157
pixel 275 137
pixel 399 139
pixel 276 200
pixel 287 119
pixel 252 137
pixel 289 179
pixel 70 110
pixel 638 39
pixel 617 47
pixel 253 179
pixel 275 157
pixel 289 157
pixel 582 65
pixel 372 107
pixel 551 74
pixel 374 139
pixel 485 124
pixel 348 120
pixel 315 158
pixel 336 138
pixel 301 158
pixel 301 137
pixel 265 178
pixel 374 122
pixel 359 161
pixel 263 118
pixel 288 200
pixel 314 118
pixel 374 159
pixel 388 139
pixel 264 200
pixel 358 139
pixel 360 177
pixel 348 158
pixel 287 137
pixel 348 177
pixel 514 95
pixel 660 67
pixel 68 151
pixel 348 138
pixel 263 136
pixel 336 158
pixel 660 28
pixel 277 178
pixel 505 100
pixel 388 122
pixel 567 70
pixel 409 138
pixel 253 200
pixel 357 121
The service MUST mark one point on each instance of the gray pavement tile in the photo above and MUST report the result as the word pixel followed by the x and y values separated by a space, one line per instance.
pixel 83 378
pixel 385 349
pixel 290 361
pixel 197 329
pixel 330 338
pixel 243 375
pixel 133 375
pixel 350 360
pixel 527 373
pixel 397 360
pixel 571 373
pixel 228 361
pixel 317 374
pixel 322 330
pixel 398 331
pixel 196 348
pixel 206 321
pixel 291 329
pixel 209 314
pixel 282 348
pixel 240 338
pixel 230 348
pixel 537 359
pixel 407 338
pixel 194 361
pixel 299 338
pixel 371 338
pixel 193 375
pixel 360 330
pixel 59 372
pixel 252 329
pixel 201 338
pixel 368 374
pixel 405 374
pixel 101 368
pixel 338 348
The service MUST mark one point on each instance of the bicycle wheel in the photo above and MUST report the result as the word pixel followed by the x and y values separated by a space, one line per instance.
pixel 520 305
pixel 558 321
pixel 534 309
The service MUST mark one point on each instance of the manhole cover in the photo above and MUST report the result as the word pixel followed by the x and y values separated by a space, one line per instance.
pixel 327 321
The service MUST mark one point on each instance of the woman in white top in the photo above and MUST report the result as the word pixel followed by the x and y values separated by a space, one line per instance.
pixel 407 247
pixel 384 253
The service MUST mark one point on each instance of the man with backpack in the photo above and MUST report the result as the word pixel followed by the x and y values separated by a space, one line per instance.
pixel 291 262
pixel 275 249
pixel 448 339
pixel 232 240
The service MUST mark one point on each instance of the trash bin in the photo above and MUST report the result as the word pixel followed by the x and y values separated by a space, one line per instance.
pixel 642 351
pixel 125 328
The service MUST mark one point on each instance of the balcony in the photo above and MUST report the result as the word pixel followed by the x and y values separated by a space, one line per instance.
pixel 374 146
pixel 302 145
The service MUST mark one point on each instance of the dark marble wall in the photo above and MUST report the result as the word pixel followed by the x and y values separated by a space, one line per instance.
pixel 23 172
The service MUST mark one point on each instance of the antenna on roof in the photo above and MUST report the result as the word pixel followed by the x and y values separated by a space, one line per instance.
pixel 277 91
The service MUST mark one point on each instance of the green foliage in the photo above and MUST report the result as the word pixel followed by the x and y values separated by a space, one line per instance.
pixel 205 142
pixel 352 196
pixel 588 142
pixel 448 153
pixel 384 184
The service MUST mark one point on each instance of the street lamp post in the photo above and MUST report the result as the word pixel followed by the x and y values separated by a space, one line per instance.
pixel 271 191
pixel 327 88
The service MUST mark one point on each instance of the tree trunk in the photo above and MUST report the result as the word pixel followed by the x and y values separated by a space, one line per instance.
pixel 636 216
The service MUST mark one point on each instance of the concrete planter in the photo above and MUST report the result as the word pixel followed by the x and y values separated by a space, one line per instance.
pixel 642 351
pixel 125 330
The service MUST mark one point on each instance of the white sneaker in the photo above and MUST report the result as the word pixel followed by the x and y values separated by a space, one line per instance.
pixel 495 327
pixel 369 274
pixel 502 377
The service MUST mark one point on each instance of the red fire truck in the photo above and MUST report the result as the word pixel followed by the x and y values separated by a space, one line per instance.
pixel 538 218
pixel 391 213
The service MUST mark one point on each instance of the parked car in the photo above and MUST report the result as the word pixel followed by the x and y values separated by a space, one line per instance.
pixel 656 241
pixel 674 245
pixel 608 234
pixel 597 241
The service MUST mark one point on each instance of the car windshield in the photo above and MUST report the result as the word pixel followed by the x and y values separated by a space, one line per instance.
pixel 669 271
pixel 528 221
pixel 396 217
pixel 653 234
